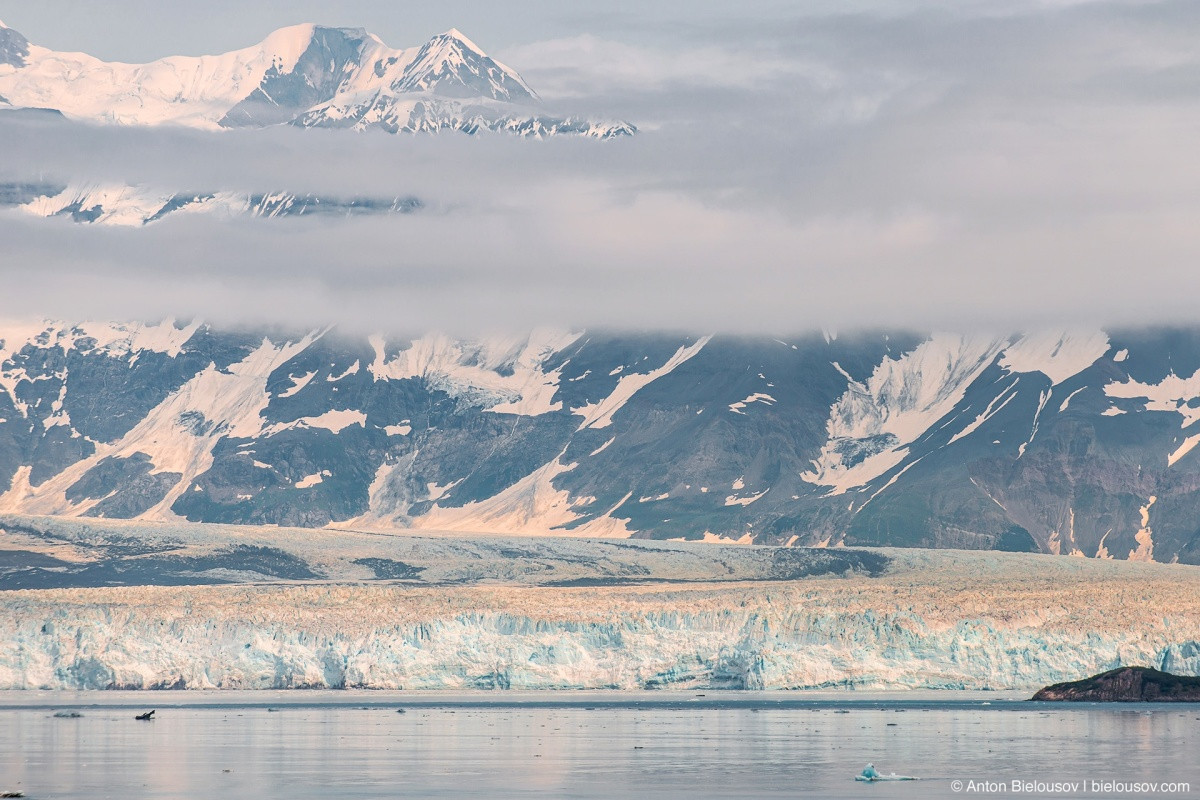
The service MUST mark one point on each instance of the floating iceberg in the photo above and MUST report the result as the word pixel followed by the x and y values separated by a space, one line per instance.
pixel 871 775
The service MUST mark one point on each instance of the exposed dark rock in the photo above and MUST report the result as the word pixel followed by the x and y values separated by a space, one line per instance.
pixel 388 569
pixel 238 563
pixel 14 48
pixel 1126 685
pixel 126 487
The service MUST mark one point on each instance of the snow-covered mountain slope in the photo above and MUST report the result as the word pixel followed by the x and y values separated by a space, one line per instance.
pixel 919 624
pixel 1077 443
pixel 140 205
pixel 308 75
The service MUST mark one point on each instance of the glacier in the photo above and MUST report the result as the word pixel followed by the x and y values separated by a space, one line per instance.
pixel 929 620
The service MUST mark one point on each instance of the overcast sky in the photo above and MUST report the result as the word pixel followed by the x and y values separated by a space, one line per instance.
pixel 141 30
pixel 853 163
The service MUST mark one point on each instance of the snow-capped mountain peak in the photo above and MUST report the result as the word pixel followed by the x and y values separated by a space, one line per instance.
pixel 308 75
pixel 457 35
pixel 451 65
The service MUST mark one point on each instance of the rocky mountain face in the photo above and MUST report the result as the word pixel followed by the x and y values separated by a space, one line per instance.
pixel 14 48
pixel 305 75
pixel 1072 443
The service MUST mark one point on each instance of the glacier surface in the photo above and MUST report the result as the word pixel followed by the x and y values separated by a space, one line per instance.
pixel 933 619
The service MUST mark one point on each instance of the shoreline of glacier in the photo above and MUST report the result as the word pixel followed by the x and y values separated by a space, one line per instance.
pixel 480 699
pixel 933 620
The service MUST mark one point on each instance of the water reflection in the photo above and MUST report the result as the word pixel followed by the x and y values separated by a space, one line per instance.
pixel 580 751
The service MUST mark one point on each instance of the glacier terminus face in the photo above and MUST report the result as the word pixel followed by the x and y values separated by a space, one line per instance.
pixel 346 610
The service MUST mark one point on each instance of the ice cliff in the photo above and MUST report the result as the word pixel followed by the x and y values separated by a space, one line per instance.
pixel 934 620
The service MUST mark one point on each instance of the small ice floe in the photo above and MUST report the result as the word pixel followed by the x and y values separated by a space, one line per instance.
pixel 67 714
pixel 147 717
pixel 870 775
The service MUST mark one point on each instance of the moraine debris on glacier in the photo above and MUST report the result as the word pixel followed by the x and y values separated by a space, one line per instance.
pixel 930 619
pixel 50 553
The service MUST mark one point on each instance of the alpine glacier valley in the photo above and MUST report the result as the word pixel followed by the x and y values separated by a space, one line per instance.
pixel 575 509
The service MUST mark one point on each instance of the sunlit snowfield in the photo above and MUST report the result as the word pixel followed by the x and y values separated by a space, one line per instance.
pixel 574 745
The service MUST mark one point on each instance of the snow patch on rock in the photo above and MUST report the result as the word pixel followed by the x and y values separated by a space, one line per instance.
pixel 335 420
pixel 1058 355
pixel 1172 393
pixel 178 435
pixel 871 426
pixel 600 414
pixel 504 375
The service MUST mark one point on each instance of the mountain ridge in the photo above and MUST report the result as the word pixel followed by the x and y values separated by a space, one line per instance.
pixel 309 75
pixel 1073 443
pixel 137 206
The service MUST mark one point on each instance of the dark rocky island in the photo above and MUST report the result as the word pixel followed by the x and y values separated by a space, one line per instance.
pixel 1126 685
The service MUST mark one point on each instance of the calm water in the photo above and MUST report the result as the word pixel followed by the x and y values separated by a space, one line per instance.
pixel 578 745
